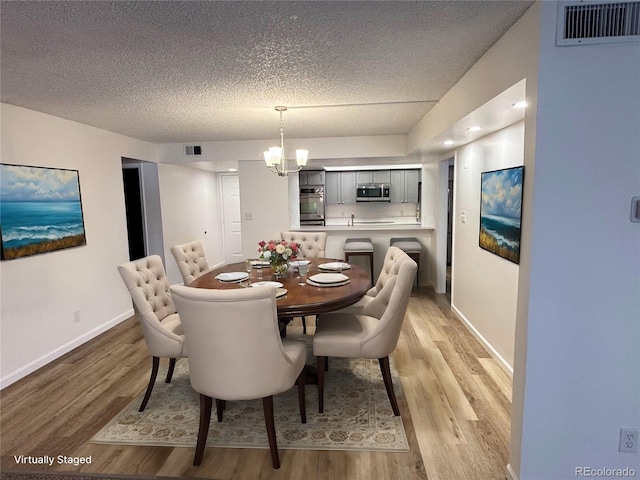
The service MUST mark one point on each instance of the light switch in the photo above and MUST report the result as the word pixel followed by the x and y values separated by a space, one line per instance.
pixel 248 216
pixel 463 216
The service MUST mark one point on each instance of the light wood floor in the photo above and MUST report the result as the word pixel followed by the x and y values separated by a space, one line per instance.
pixel 456 410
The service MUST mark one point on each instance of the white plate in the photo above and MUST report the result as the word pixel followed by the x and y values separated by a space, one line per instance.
pixel 300 262
pixel 232 276
pixel 259 264
pixel 328 278
pixel 327 285
pixel 334 266
pixel 281 292
pixel 266 284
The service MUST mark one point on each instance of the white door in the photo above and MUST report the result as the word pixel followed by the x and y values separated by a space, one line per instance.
pixel 231 218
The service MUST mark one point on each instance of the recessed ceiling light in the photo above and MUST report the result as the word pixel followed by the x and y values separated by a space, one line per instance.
pixel 474 129
pixel 448 142
pixel 521 104
pixel 233 169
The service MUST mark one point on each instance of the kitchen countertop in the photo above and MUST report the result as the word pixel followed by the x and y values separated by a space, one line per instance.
pixel 364 226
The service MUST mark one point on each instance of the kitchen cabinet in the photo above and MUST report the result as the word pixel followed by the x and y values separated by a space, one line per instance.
pixel 373 176
pixel 340 188
pixel 404 186
pixel 311 177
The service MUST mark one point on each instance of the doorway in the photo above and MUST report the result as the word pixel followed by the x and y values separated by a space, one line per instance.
pixel 133 202
pixel 232 226
pixel 451 174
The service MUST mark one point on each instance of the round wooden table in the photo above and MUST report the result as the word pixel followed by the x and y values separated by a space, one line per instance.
pixel 299 300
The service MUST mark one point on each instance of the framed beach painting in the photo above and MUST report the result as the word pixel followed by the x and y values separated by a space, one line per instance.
pixel 501 212
pixel 40 210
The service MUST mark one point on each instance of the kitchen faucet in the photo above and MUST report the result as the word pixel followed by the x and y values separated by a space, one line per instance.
pixel 352 217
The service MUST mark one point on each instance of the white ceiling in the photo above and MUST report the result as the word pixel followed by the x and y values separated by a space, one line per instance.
pixel 171 71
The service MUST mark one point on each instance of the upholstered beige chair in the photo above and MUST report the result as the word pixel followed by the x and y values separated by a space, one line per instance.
pixel 372 334
pixel 312 245
pixel 236 353
pixel 191 260
pixel 148 286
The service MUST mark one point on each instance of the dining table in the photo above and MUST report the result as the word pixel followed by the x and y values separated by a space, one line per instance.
pixel 299 300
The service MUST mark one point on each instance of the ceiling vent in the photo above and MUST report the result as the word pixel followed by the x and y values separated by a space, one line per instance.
pixel 193 149
pixel 597 22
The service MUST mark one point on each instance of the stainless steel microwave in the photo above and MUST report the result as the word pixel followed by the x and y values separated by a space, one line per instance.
pixel 373 192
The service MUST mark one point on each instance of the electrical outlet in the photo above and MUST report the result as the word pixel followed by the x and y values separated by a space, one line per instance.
pixel 628 440
pixel 76 316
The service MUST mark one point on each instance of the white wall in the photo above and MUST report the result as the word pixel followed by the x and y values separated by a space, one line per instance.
pixel 484 286
pixel 264 205
pixel 191 210
pixel 582 312
pixel 40 293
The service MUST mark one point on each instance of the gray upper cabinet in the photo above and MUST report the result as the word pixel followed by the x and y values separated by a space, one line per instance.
pixel 340 188
pixel 373 176
pixel 404 186
pixel 311 177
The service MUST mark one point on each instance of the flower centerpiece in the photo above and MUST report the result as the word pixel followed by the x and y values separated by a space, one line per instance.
pixel 278 253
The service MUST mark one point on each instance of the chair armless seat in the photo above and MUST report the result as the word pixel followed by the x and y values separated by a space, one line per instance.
pixel 148 286
pixel 372 334
pixel 191 260
pixel 312 245
pixel 236 353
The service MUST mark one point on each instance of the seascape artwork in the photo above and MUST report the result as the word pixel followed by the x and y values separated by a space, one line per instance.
pixel 40 210
pixel 501 212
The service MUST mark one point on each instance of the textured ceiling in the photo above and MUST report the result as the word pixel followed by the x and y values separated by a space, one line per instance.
pixel 172 71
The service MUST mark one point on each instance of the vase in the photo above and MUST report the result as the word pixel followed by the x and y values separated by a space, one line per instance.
pixel 280 269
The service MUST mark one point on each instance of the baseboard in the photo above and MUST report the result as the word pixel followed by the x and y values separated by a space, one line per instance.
pixel 494 353
pixel 511 475
pixel 58 352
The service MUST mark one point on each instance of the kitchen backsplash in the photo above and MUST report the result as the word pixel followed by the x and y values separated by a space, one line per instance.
pixel 371 211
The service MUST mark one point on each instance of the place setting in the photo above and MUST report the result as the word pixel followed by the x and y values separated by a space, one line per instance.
pixel 280 291
pixel 328 280
pixel 334 266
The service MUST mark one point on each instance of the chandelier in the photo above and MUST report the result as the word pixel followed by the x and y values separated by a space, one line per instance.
pixel 275 156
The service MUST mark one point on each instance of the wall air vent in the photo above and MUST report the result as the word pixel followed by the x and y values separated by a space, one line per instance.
pixel 193 149
pixel 597 22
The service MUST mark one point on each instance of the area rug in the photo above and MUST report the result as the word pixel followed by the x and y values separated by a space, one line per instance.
pixel 357 415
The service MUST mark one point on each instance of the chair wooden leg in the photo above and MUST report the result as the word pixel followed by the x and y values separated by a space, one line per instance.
pixel 388 383
pixel 320 368
pixel 220 404
pixel 301 399
pixel 172 366
pixel 267 404
pixel 206 404
pixel 152 380
pixel 304 325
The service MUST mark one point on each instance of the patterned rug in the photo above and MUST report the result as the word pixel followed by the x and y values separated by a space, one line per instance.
pixel 357 415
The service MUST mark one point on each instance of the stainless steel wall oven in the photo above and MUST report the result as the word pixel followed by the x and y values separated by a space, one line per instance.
pixel 312 205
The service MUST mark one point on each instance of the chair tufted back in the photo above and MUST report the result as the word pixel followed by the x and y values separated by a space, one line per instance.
pixel 389 306
pixel 312 244
pixel 148 286
pixel 235 349
pixel 191 260
pixel 390 267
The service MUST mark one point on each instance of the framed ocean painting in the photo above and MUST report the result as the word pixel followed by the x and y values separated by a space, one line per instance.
pixel 40 210
pixel 501 212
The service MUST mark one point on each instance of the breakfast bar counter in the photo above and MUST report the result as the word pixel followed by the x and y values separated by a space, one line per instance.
pixel 380 232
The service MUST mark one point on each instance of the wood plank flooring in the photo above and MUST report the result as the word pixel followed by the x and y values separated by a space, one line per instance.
pixel 456 407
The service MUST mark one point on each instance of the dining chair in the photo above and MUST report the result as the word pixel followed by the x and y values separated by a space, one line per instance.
pixel 236 353
pixel 372 334
pixel 312 245
pixel 191 260
pixel 148 286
